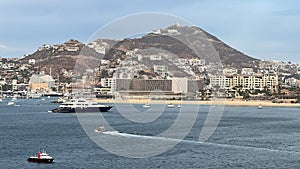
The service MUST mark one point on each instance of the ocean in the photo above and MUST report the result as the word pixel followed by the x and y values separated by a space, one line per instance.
pixel 246 137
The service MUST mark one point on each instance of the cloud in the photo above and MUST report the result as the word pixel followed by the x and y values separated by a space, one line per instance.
pixel 252 26
pixel 3 46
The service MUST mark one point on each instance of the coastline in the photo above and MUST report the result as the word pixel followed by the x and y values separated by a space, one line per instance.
pixel 225 102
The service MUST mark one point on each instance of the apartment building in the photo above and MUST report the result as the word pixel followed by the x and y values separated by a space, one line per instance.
pixel 246 81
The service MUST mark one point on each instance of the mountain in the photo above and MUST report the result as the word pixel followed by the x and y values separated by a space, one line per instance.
pixel 173 39
pixel 63 57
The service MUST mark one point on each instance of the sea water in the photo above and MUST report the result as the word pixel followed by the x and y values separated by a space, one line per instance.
pixel 246 137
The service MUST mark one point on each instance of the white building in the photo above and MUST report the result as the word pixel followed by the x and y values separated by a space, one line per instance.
pixel 179 85
pixel 197 62
pixel 247 71
pixel 31 61
pixel 246 82
pixel 291 81
pixel 107 82
pixel 160 68
pixel 230 71
pixel 155 57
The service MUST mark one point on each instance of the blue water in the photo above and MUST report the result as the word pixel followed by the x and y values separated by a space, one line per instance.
pixel 247 137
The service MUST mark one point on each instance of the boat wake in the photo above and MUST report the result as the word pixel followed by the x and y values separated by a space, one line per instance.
pixel 128 135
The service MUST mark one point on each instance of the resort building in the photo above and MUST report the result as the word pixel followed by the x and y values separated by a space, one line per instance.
pixel 174 85
pixel 246 81
pixel 41 82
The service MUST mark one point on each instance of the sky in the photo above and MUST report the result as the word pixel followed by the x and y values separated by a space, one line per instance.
pixel 264 29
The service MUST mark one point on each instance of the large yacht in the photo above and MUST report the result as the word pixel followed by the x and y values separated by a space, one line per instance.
pixel 80 106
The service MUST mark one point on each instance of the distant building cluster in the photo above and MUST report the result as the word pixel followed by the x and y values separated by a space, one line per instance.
pixel 143 73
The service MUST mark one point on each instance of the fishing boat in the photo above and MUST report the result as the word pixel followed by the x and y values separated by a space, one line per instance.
pixel 41 157
pixel 81 106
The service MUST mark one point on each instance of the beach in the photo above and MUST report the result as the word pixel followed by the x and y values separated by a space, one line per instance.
pixel 226 102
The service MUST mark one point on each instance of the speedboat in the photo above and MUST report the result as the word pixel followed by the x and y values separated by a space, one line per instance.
pixel 100 129
pixel 41 157
pixel 81 106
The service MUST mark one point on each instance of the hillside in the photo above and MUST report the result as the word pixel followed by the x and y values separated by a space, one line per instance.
pixel 167 39
pixel 63 57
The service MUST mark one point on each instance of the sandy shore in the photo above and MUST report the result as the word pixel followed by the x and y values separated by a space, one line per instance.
pixel 214 102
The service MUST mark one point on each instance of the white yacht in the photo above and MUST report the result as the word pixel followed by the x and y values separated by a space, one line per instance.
pixel 81 105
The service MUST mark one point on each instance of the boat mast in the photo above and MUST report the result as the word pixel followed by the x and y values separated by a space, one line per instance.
pixel 57 87
pixel 49 79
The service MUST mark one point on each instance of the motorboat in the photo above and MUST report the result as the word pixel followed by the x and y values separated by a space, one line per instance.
pixel 179 106
pixel 147 106
pixel 260 107
pixel 170 105
pixel 100 129
pixel 10 103
pixel 59 100
pixel 34 95
pixel 41 157
pixel 81 106
pixel 53 94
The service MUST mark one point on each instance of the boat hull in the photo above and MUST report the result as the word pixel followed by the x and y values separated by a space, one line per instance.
pixel 35 160
pixel 53 95
pixel 81 110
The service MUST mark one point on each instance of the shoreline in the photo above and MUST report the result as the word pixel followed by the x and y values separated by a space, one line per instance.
pixel 225 102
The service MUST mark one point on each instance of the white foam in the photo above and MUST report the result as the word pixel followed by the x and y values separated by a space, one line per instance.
pixel 116 133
